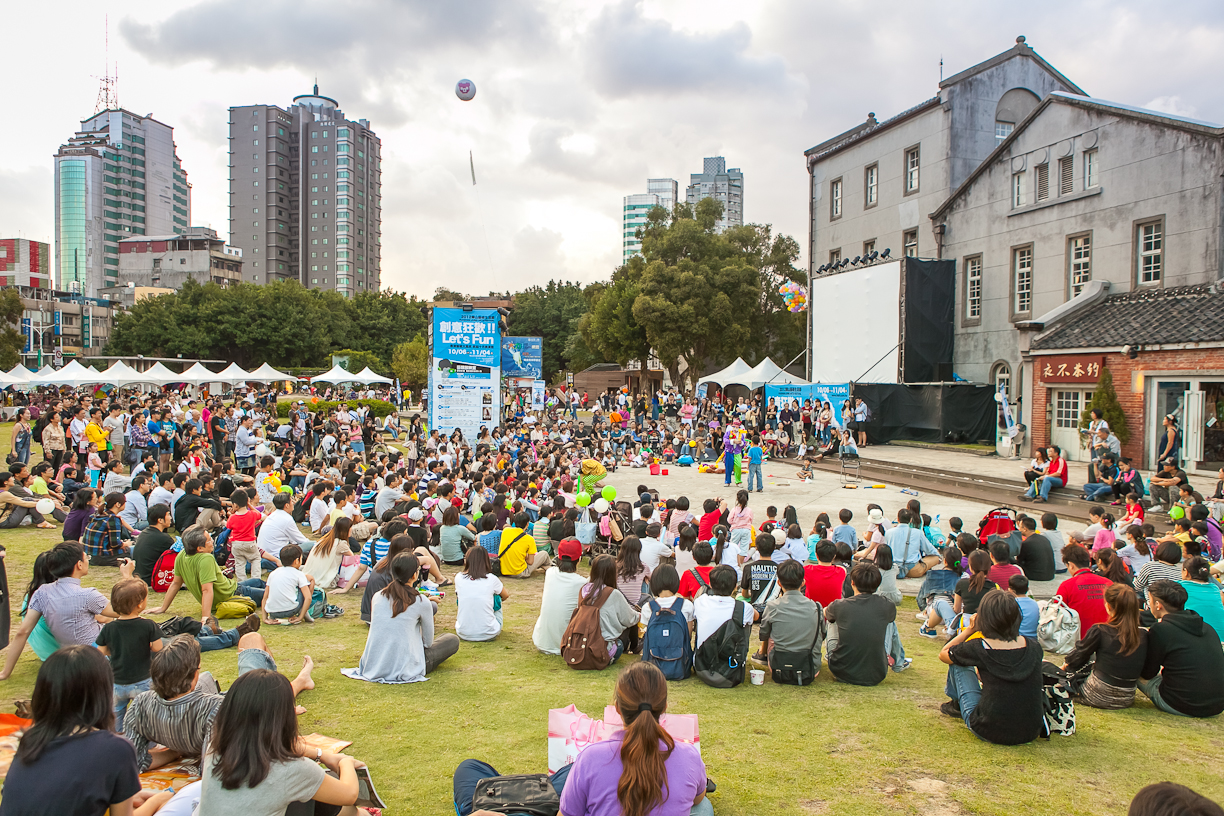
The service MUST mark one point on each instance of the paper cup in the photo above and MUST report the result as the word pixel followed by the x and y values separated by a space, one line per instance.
pixel 756 677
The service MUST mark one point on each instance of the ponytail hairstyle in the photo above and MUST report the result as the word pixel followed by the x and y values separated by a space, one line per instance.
pixel 671 508
pixel 404 571
pixel 1198 568
pixel 1107 521
pixel 952 559
pixel 979 566
pixel 720 535
pixel 641 699
pixel 741 498
pixel 1124 616
pixel 1111 566
pixel 1135 534
pixel 687 537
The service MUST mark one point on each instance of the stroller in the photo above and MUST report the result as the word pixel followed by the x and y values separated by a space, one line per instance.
pixel 612 528
pixel 1000 521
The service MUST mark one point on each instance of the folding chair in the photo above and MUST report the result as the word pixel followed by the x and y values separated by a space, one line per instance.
pixel 851 472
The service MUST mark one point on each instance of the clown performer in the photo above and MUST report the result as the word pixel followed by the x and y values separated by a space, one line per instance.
pixel 592 472
pixel 735 440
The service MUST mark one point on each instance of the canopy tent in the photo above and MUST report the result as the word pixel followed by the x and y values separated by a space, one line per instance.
pixel 767 371
pixel 368 377
pixel 731 375
pixel 120 373
pixel 159 374
pixel 266 373
pixel 73 374
pixel 233 375
pixel 19 376
pixel 336 375
pixel 198 375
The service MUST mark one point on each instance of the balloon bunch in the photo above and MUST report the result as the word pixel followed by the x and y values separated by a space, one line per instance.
pixel 794 296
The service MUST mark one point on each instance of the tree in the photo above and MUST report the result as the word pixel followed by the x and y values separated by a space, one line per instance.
pixel 442 293
pixel 1105 400
pixel 774 332
pixel 580 355
pixel 11 339
pixel 549 312
pixel 380 321
pixel 610 327
pixel 359 360
pixel 410 362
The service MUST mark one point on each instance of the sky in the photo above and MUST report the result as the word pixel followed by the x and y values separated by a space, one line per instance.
pixel 577 104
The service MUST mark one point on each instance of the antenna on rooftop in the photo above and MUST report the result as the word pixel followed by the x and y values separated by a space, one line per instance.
pixel 108 84
pixel 941 67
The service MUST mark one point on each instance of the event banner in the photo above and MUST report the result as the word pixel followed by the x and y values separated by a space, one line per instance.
pixel 522 357
pixel 465 375
pixel 836 394
pixel 537 395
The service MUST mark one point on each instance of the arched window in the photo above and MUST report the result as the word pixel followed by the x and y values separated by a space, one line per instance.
pixel 1012 108
pixel 1001 375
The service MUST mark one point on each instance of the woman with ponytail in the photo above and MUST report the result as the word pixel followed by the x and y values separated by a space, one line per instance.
pixel 726 551
pixel 1106 663
pixel 1204 596
pixel 639 771
pixel 971 590
pixel 400 647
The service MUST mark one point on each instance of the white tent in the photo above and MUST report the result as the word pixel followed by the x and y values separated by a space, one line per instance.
pixel 336 375
pixel 20 377
pixel 733 374
pixel 368 377
pixel 73 374
pixel 120 373
pixel 268 374
pixel 233 374
pixel 768 372
pixel 159 374
pixel 198 375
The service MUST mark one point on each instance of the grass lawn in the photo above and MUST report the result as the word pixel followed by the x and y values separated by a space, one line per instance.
pixel 827 748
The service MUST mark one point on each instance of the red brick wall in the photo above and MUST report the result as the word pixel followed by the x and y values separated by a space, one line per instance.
pixel 1122 368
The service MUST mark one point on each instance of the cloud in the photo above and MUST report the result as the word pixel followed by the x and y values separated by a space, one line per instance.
pixel 27 206
pixel 1172 105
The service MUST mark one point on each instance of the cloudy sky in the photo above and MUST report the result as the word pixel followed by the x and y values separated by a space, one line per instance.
pixel 577 103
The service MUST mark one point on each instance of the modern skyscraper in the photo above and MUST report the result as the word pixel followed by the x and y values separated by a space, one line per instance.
pixel 727 186
pixel 307 205
pixel 659 193
pixel 119 176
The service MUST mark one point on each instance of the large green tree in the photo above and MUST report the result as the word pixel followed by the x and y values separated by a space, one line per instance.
pixel 11 339
pixel 549 312
pixel 610 327
pixel 410 362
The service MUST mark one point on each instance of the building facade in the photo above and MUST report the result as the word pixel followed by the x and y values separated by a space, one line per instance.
pixel 74 325
pixel 165 262
pixel 119 176
pixel 659 193
pixel 307 203
pixel 716 181
pixel 25 264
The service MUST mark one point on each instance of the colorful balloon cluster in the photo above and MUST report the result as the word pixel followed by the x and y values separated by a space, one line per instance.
pixel 794 296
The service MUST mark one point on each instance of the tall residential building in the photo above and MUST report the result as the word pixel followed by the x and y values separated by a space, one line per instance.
pixel 25 263
pixel 659 193
pixel 307 205
pixel 119 176
pixel 716 181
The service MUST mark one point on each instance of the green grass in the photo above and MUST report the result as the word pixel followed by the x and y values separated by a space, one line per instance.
pixel 827 748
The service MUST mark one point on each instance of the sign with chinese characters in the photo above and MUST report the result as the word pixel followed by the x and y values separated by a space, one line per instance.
pixel 1070 369
pixel 465 377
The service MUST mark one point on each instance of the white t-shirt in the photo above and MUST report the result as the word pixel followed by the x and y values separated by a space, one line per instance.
pixel 712 611
pixel 730 555
pixel 282 588
pixel 475 619
pixel 652 551
pixel 666 603
pixel 319 511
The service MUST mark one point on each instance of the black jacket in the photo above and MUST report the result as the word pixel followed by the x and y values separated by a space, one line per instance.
pixel 1186 653
pixel 188 508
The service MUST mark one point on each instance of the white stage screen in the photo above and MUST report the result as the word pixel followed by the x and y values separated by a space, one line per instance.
pixel 857 325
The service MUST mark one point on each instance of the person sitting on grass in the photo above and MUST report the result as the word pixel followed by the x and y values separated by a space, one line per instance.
pixel 480 595
pixel 103 535
pixel 639 771
pixel 323 563
pixel 792 626
pixel 858 642
pixel 287 596
pixel 562 583
pixel 400 647
pixel 380 574
pixel 616 615
pixel 1203 593
pixel 69 760
pixel 177 713
pixel 1084 591
pixel 939 585
pixel 664 586
pixel 1002 702
pixel 1106 663
pixel 966 596
pixel 1184 670
pixel 197 569
pixel 256 764
pixel 1030 612
pixel 697 579
pixel 130 641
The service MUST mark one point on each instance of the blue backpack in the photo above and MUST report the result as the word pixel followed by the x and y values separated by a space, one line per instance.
pixel 667 643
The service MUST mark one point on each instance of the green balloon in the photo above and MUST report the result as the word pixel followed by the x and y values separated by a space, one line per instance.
pixel 609 493
pixel 583 499
pixel 286 489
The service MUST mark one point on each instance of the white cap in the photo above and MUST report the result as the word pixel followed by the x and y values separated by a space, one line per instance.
pixel 416 514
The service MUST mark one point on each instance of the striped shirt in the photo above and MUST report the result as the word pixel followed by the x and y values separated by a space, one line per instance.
pixel 69 610
pixel 183 724
pixel 1155 571
pixel 380 546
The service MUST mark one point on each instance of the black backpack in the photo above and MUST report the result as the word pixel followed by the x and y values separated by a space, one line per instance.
pixel 302 508
pixel 722 658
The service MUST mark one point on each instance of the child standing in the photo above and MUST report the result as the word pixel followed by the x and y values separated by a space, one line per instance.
pixel 241 524
pixel 756 459
pixel 129 641
pixel 94 465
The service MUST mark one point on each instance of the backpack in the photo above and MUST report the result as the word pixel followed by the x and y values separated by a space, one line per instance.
pixel 303 507
pixel 722 658
pixel 868 414
pixel 163 571
pixel 238 606
pixel 318 603
pixel 799 668
pixel 583 645
pixel 1058 628
pixel 667 642
pixel 1057 703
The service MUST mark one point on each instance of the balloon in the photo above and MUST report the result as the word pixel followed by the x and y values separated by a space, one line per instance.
pixel 45 507
pixel 582 499
pixel 262 450
pixel 600 505
pixel 609 493
pixel 465 89
pixel 286 489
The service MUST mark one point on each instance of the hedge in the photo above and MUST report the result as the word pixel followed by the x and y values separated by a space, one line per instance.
pixel 379 408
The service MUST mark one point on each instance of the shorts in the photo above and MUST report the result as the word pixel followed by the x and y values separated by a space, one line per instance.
pixel 251 659
pixel 357 447
pixel 244 462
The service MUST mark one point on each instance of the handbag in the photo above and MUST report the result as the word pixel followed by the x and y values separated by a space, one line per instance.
pixel 496 562
pixel 526 793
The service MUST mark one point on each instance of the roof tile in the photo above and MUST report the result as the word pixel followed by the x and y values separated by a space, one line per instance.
pixel 1182 314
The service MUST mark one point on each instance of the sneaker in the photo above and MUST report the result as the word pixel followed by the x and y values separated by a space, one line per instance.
pixel 951 708
pixel 922 616
pixel 1155 508
pixel 1023 497
pixel 333 611
pixel 903 665
pixel 927 632
pixel 251 624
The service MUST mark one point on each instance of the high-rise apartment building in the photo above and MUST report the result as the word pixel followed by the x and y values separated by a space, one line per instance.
pixel 119 176
pixel 306 195
pixel 716 181
pixel 659 193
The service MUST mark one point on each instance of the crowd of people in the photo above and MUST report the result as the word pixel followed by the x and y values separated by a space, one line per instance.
pixel 680 582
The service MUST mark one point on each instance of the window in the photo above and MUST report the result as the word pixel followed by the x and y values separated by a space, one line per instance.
pixel 1003 130
pixel 909 240
pixel 1067 408
pixel 834 256
pixel 256 143
pixel 1066 177
pixel 255 128
pixel 254 223
pixel 1001 377
pixel 871 186
pixel 1022 280
pixel 1090 169
pixel 1019 190
pixel 835 199
pixel 973 287
pixel 868 248
pixel 1043 182
pixel 1079 254
pixel 911 170
pixel 1150 240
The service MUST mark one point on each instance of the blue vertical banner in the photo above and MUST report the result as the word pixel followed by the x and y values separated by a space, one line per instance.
pixel 59 323
pixel 27 331
pixel 465 371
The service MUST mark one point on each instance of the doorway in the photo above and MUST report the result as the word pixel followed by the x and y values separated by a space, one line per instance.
pixel 1069 405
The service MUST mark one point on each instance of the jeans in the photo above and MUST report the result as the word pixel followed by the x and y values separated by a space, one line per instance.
pixel 1152 689
pixel 755 469
pixel 964 687
pixel 1047 484
pixel 123 696
pixel 252 588
pixel 212 643
pixel 892 637
pixel 944 610
pixel 1096 490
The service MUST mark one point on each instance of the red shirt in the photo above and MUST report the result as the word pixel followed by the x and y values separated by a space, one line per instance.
pixel 999 573
pixel 1085 593
pixel 243 525
pixel 689 585
pixel 1058 468
pixel 705 528
pixel 823 583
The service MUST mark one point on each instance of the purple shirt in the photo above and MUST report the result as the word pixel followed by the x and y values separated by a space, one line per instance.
pixel 590 789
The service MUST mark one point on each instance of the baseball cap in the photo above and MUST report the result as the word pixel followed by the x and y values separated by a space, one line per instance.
pixel 570 548
pixel 416 514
